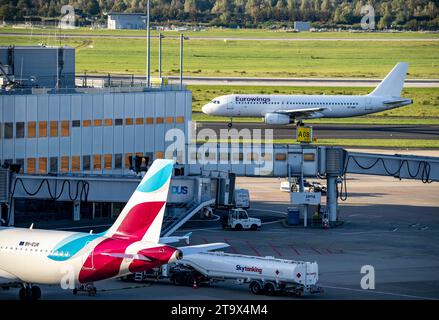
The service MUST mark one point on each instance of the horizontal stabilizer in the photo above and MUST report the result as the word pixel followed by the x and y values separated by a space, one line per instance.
pixel 129 256
pixel 173 239
pixel 202 248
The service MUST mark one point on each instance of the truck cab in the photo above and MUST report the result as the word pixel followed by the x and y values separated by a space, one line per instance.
pixel 238 219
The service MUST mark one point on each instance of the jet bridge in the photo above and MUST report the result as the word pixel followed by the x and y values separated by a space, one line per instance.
pixel 334 163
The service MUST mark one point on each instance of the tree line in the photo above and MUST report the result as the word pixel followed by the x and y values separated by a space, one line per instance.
pixel 403 14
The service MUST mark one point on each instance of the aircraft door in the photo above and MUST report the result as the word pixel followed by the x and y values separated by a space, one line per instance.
pixel 368 104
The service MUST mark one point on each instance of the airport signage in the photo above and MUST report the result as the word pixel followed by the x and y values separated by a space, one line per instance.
pixel 304 134
pixel 181 191
pixel 305 197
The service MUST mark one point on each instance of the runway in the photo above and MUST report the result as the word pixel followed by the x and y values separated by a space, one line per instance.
pixel 262 81
pixel 177 36
pixel 339 131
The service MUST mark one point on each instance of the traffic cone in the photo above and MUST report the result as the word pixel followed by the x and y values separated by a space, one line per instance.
pixel 195 284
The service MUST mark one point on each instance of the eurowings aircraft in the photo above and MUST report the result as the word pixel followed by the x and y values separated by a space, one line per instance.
pixel 279 109
pixel 30 256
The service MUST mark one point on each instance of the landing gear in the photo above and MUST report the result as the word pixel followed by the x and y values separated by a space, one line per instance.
pixel 230 124
pixel 88 288
pixel 29 292
pixel 299 123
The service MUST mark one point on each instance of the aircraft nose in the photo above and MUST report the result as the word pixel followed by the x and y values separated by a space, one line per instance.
pixel 206 108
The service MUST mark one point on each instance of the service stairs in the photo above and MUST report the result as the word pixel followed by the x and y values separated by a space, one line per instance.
pixel 172 224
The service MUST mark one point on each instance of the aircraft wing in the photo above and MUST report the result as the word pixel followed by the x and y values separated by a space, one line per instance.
pixel 304 112
pixel 202 248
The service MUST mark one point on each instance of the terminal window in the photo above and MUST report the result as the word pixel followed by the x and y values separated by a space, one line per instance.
pixel 280 157
pixel 31 129
pixel 139 120
pixel 118 161
pixel 128 121
pixel 149 120
pixel 64 164
pixel 159 120
pixel 42 165
pixel 127 160
pixel 76 163
pixel 159 155
pixel 19 130
pixel 42 129
pixel 30 165
pixel 53 164
pixel 179 120
pixel 53 128
pixel 65 128
pixel 169 119
pixel 118 122
pixel 8 130
pixel 86 163
pixel 108 122
pixel 76 123
pixel 97 122
pixel 108 158
pixel 86 123
pixel 97 162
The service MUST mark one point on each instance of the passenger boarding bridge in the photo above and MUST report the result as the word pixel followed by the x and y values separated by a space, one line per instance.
pixel 213 185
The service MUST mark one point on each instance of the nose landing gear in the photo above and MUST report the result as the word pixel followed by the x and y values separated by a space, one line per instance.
pixel 88 288
pixel 230 124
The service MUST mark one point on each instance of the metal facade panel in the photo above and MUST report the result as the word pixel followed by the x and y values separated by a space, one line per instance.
pixel 55 102
pixel 31 108
pixel 20 109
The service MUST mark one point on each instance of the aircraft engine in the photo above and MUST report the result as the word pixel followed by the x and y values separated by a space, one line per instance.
pixel 277 118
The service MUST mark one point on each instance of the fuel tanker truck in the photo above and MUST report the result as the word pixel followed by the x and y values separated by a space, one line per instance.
pixel 264 275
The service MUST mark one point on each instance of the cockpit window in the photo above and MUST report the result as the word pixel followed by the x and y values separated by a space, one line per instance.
pixel 215 101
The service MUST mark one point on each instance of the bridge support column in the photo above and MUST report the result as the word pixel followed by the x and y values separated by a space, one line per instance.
pixel 11 213
pixel 331 197
pixel 76 210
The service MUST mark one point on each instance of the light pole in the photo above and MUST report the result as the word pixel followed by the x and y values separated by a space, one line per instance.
pixel 160 55
pixel 181 60
pixel 148 47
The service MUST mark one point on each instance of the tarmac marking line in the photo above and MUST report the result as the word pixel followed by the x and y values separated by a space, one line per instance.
pixel 295 250
pixel 380 292
pixel 274 249
pixel 231 247
pixel 316 250
pixel 253 248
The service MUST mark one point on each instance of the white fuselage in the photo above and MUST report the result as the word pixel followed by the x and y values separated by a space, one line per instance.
pixel 50 257
pixel 334 106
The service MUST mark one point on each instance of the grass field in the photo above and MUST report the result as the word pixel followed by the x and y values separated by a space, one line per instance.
pixel 231 33
pixel 424 110
pixel 368 59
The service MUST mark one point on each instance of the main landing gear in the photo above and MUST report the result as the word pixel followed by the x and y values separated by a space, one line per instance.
pixel 299 123
pixel 88 288
pixel 29 292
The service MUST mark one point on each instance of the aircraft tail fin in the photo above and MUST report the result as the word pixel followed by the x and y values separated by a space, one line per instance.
pixel 392 84
pixel 142 217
